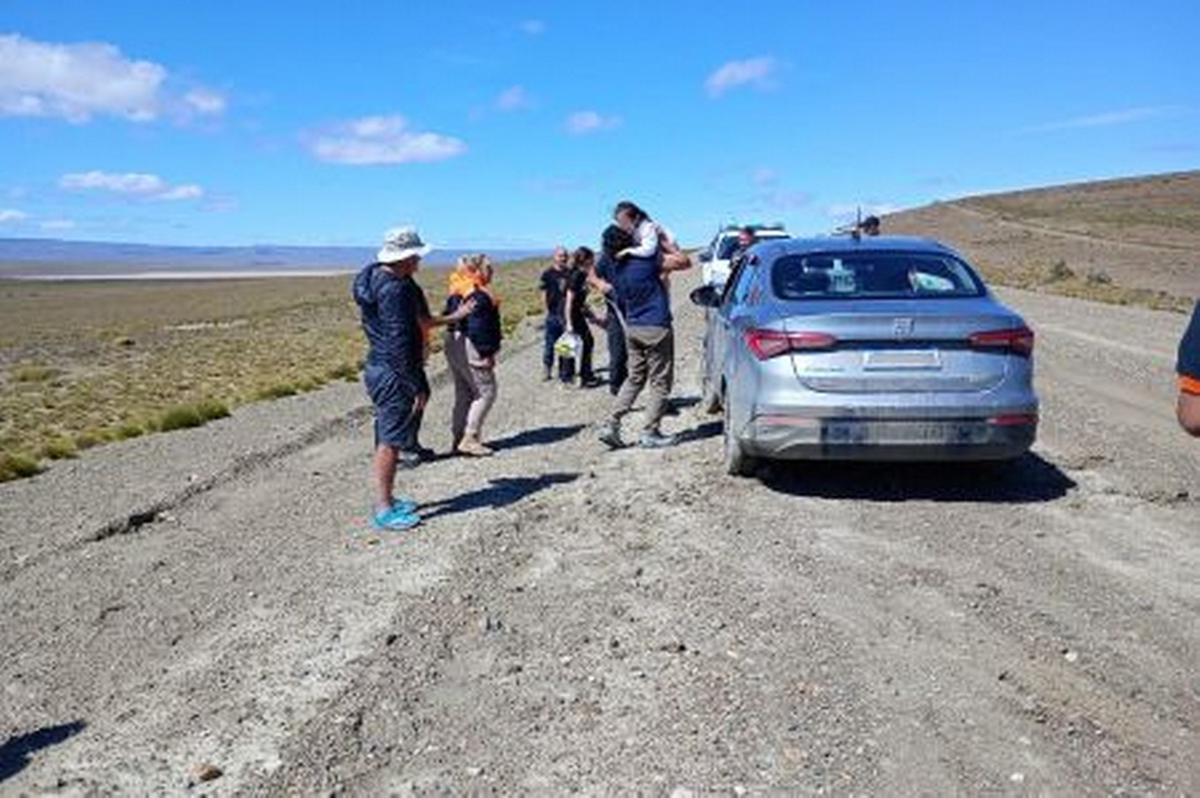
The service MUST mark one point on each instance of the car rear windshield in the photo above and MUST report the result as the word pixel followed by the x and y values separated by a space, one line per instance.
pixel 873 275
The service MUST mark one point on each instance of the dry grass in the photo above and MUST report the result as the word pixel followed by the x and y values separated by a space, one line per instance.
pixel 1126 242
pixel 82 364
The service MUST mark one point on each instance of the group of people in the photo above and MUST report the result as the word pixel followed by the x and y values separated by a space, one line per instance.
pixel 631 272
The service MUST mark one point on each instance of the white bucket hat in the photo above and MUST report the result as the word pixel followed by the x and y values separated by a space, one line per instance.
pixel 401 243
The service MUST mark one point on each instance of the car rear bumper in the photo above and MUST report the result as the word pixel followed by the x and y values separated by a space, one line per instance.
pixel 796 437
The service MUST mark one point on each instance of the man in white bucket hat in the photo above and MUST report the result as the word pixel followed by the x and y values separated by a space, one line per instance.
pixel 396 321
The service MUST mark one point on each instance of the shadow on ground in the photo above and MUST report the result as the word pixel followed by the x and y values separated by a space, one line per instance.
pixel 709 429
pixel 1030 479
pixel 17 752
pixel 500 493
pixel 536 437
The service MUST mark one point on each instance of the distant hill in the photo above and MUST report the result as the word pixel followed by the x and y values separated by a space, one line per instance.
pixel 28 257
pixel 1140 233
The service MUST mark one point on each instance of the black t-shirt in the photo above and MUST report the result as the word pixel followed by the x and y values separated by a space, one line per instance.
pixel 1188 366
pixel 577 284
pixel 554 283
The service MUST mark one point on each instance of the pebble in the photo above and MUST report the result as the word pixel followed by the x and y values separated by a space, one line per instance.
pixel 1071 656
pixel 1017 778
pixel 207 772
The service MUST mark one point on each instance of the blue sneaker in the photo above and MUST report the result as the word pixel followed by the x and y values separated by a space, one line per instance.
pixel 394 520
pixel 405 506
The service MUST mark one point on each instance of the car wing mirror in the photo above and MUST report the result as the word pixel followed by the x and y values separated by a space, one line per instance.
pixel 706 296
pixel 705 256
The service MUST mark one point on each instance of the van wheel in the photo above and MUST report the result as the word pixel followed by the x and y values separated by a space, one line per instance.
pixel 737 462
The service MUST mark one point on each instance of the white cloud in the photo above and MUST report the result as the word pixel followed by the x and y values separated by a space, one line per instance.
pixel 8 215
pixel 1109 118
pixel 206 101
pixel 533 27
pixel 756 72
pixel 76 82
pixel 383 140
pixel 57 224
pixel 514 98
pixel 764 176
pixel 135 185
pixel 582 122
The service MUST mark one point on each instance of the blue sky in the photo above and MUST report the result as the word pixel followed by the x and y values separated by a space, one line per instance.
pixel 521 124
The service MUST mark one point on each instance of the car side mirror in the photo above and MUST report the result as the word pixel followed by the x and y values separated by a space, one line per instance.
pixel 706 296
pixel 705 256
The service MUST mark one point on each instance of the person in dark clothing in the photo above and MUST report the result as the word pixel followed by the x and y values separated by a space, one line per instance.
pixel 579 315
pixel 554 292
pixel 396 320
pixel 1188 368
pixel 870 226
pixel 602 278
pixel 470 348
pixel 650 342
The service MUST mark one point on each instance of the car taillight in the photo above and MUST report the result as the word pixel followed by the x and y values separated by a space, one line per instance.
pixel 1014 420
pixel 766 344
pixel 1018 341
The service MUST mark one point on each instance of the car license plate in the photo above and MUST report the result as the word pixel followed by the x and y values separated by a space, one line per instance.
pixel 902 360
pixel 901 432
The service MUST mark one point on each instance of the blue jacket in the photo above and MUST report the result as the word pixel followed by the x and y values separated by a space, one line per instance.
pixel 392 309
pixel 641 294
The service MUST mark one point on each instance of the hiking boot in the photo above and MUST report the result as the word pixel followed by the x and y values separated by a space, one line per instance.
pixel 473 447
pixel 654 439
pixel 610 435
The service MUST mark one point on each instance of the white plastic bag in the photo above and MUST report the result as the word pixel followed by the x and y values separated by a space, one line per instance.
pixel 568 345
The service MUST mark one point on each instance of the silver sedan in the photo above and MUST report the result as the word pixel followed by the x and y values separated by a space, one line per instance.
pixel 875 349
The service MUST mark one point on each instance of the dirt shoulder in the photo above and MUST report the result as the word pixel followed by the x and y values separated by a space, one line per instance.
pixel 570 618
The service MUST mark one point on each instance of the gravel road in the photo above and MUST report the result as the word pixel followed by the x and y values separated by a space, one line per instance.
pixel 208 611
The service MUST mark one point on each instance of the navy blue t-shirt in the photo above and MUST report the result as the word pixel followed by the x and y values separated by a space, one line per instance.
pixel 641 293
pixel 1188 366
pixel 392 311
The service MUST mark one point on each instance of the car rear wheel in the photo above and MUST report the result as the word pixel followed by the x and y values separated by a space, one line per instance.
pixel 737 462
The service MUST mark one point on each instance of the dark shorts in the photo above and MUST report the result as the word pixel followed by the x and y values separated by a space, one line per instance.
pixel 394 396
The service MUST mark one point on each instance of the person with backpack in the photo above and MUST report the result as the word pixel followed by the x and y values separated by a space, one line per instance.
pixel 470 346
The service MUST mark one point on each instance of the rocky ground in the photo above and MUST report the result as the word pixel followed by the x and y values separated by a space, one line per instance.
pixel 208 610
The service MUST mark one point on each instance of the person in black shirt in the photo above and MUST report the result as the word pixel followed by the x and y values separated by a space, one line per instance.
pixel 579 315
pixel 396 320
pixel 1188 369
pixel 554 292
